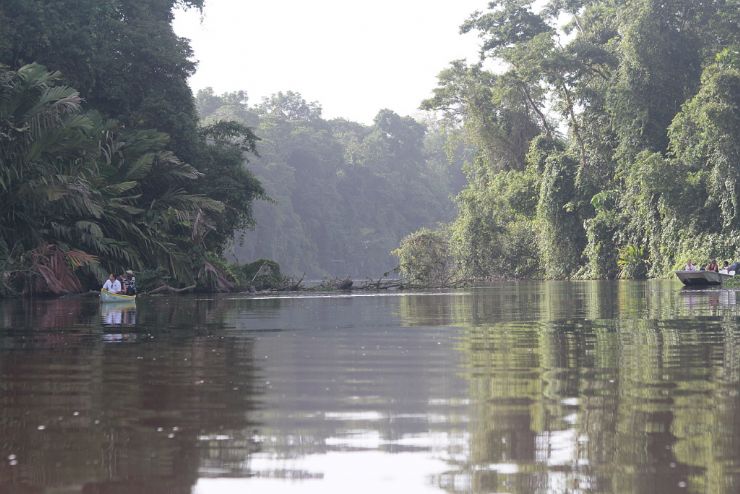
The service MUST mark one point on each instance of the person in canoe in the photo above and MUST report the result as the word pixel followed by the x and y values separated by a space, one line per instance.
pixel 713 266
pixel 129 283
pixel 689 266
pixel 112 285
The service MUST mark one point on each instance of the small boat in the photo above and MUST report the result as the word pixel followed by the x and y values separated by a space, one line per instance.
pixel 106 296
pixel 702 278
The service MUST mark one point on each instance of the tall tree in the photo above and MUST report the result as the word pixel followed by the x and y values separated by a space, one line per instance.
pixel 343 194
pixel 160 192
pixel 630 152
pixel 122 55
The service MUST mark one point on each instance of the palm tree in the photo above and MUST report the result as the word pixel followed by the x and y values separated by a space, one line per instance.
pixel 43 141
pixel 147 203
pixel 75 188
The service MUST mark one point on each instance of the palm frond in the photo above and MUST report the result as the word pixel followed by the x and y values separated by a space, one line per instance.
pixel 120 188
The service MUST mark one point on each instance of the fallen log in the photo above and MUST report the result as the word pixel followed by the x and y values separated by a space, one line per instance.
pixel 291 285
pixel 169 289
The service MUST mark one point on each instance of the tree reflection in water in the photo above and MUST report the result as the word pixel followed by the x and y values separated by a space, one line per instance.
pixel 599 387
pixel 528 387
pixel 149 415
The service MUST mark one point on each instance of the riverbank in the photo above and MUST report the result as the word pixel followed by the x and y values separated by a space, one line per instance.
pixel 292 286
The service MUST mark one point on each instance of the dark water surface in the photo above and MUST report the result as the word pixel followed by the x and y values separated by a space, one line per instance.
pixel 521 388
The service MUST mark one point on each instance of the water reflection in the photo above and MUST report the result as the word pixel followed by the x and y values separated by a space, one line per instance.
pixel 717 298
pixel 520 388
pixel 152 414
pixel 596 396
pixel 119 314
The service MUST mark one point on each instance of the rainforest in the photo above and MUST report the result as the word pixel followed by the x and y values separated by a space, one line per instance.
pixel 608 142
pixel 592 139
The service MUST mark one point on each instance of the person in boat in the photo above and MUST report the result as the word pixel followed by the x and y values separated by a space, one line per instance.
pixel 713 266
pixel 129 283
pixel 689 266
pixel 112 284
pixel 725 268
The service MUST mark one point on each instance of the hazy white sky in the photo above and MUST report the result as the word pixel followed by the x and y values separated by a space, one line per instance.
pixel 354 57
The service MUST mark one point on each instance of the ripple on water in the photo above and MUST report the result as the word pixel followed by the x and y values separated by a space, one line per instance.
pixel 522 387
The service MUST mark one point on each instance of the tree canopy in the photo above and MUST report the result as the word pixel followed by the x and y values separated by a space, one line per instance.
pixel 343 194
pixel 104 166
pixel 592 139
pixel 606 133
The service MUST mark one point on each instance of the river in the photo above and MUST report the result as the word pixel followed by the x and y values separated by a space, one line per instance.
pixel 532 387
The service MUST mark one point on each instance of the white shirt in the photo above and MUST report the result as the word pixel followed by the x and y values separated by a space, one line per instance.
pixel 113 287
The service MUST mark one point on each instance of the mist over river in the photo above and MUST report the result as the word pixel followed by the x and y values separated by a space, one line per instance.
pixel 531 387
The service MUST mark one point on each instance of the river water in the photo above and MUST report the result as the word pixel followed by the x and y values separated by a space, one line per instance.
pixel 534 387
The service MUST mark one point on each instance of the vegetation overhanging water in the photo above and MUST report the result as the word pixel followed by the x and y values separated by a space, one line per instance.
pixel 598 139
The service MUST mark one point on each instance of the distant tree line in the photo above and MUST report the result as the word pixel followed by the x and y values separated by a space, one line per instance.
pixel 608 138
pixel 343 194
pixel 103 166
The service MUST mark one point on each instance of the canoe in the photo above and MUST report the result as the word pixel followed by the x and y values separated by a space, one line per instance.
pixel 106 296
pixel 702 278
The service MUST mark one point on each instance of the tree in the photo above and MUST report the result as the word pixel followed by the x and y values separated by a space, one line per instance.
pixel 704 135
pixel 631 155
pixel 158 192
pixel 343 194
pixel 562 234
pixel 498 118
pixel 659 68
pixel 122 55
pixel 424 258
pixel 78 190
pixel 41 133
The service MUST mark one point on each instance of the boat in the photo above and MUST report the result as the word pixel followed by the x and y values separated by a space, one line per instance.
pixel 106 296
pixel 702 278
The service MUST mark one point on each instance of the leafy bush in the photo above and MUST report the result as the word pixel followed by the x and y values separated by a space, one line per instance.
pixel 520 255
pixel 561 235
pixel 424 258
pixel 632 263
pixel 262 274
pixel 601 234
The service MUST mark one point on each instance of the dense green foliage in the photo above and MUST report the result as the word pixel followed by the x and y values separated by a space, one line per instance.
pixel 600 139
pixel 608 136
pixel 128 181
pixel 262 274
pixel 343 194
pixel 121 55
pixel 425 258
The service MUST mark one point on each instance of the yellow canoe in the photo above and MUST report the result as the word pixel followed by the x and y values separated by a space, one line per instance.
pixel 106 296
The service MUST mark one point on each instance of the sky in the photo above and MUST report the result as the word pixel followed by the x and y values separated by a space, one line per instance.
pixel 353 57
